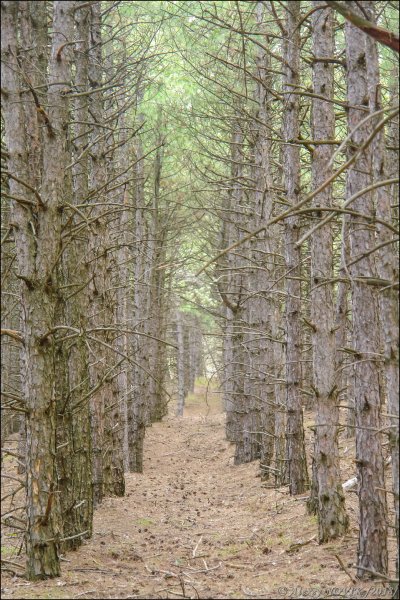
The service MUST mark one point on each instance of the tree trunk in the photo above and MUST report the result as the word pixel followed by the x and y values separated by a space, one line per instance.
pixel 140 371
pixel 180 364
pixel 295 449
pixel 244 414
pixel 388 266
pixel 74 444
pixel 344 367
pixel 158 308
pixel 332 518
pixel 372 548
pixel 108 473
pixel 38 239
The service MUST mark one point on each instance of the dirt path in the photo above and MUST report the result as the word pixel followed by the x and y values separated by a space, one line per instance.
pixel 195 526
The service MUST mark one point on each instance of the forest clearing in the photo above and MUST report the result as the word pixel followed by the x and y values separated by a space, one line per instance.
pixel 199 301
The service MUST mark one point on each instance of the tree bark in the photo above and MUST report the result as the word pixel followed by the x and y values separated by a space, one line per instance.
pixel 262 309
pixel 38 239
pixel 74 444
pixel 372 547
pixel 108 472
pixel 388 267
pixel 295 449
pixel 332 518
pixel 244 414
pixel 180 364
pixel 140 304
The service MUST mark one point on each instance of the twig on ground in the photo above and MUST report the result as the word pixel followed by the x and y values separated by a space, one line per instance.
pixel 170 592
pixel 96 569
pixel 10 562
pixel 238 566
pixel 297 545
pixel 380 575
pixel 197 545
pixel 345 569
pixel 205 570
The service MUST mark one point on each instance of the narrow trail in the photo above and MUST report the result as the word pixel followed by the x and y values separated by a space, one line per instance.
pixel 193 525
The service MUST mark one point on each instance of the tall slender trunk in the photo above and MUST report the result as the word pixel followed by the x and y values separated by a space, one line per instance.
pixel 180 363
pixel 244 413
pixel 108 472
pixel 392 373
pixel 296 457
pixel 74 457
pixel 34 38
pixel 157 307
pixel 262 309
pixel 140 372
pixel 38 240
pixel 332 518
pixel 223 285
pixel 372 546
pixel 97 178
pixel 230 287
pixel 344 368
pixel 122 237
pixel 388 267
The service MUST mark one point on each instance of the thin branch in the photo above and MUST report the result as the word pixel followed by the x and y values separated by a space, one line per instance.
pixel 292 209
pixel 12 333
pixel 345 205
pixel 383 36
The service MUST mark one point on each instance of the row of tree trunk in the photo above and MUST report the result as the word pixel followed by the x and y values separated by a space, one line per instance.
pixel 306 295
pixel 290 311
pixel 85 307
pixel 190 363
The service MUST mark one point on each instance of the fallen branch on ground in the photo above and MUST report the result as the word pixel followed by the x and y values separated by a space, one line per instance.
pixel 344 569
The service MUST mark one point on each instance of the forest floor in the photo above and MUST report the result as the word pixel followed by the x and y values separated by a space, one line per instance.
pixel 193 525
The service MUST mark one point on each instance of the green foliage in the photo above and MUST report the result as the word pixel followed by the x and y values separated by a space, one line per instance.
pixel 197 73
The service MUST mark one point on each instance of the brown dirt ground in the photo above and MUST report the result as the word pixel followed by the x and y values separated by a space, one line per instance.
pixel 193 525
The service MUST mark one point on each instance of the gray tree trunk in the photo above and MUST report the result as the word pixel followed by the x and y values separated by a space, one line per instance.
pixel 295 449
pixel 344 367
pixel 158 307
pixel 180 363
pixel 372 547
pixel 140 372
pixel 388 266
pixel 74 451
pixel 38 240
pixel 261 304
pixel 332 518
pixel 245 421
pixel 108 474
